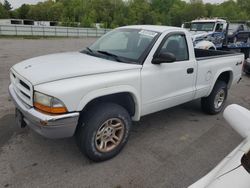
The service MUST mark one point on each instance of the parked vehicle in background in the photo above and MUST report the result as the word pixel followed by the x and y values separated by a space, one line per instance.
pixel 220 34
pixel 234 170
pixel 238 32
pixel 130 72
pixel 186 25
pixel 246 66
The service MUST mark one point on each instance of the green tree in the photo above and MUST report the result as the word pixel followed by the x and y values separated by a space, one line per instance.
pixel 23 11
pixel 7 5
pixel 55 12
pixel 3 12
pixel 114 13
pixel 244 5
pixel 176 13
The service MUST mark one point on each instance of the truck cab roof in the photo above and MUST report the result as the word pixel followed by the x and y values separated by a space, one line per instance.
pixel 209 20
pixel 156 28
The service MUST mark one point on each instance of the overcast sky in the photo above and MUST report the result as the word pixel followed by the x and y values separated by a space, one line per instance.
pixel 18 3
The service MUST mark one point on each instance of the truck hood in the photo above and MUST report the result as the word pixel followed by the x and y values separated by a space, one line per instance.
pixel 199 35
pixel 198 32
pixel 59 66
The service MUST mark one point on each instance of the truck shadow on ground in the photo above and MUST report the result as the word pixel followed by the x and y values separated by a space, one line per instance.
pixel 140 130
pixel 167 139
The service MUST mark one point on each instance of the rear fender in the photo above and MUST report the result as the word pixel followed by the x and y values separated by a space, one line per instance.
pixel 217 76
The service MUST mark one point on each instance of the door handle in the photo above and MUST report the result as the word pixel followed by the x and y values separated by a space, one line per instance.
pixel 238 63
pixel 190 70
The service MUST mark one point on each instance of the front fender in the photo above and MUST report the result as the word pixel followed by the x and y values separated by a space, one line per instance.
pixel 113 90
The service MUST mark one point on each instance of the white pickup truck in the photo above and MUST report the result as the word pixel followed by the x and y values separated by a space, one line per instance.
pixel 130 72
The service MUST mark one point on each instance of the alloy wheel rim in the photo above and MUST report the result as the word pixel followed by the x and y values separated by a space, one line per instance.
pixel 219 99
pixel 109 135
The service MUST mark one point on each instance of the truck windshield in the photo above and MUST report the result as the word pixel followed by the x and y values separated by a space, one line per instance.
pixel 202 26
pixel 123 45
pixel 233 27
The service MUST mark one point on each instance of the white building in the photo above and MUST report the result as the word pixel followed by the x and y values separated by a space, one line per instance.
pixel 27 22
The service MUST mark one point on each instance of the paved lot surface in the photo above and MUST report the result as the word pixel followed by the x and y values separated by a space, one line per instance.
pixel 171 148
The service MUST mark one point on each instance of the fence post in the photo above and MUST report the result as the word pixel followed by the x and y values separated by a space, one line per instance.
pixel 78 32
pixel 16 30
pixel 43 31
pixel 67 32
pixel 31 30
pixel 55 32
pixel 0 30
pixel 96 32
pixel 87 32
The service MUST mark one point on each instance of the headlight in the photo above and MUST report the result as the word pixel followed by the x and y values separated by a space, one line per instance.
pixel 48 104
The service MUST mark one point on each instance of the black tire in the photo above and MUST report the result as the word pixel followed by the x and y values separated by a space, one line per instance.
pixel 208 103
pixel 92 121
pixel 246 52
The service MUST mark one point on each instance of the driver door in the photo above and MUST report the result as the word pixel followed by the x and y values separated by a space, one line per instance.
pixel 168 84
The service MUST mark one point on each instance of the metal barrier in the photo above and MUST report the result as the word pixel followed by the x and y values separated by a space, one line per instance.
pixel 27 30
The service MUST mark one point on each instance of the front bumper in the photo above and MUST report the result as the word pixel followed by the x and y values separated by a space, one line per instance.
pixel 57 126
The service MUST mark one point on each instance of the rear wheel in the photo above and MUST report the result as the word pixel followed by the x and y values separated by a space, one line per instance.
pixel 214 103
pixel 103 131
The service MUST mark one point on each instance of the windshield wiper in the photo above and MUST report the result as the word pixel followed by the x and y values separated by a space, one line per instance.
pixel 89 49
pixel 110 54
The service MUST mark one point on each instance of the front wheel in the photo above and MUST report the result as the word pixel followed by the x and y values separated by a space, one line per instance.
pixel 103 131
pixel 214 103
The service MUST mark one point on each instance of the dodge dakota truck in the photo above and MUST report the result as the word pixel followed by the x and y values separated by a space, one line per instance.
pixel 132 71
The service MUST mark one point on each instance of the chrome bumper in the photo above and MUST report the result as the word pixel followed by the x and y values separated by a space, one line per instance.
pixel 58 126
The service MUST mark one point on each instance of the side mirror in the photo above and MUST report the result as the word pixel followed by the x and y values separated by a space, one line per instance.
pixel 164 57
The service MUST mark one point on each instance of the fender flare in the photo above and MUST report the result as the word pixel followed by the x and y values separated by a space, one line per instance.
pixel 230 70
pixel 113 90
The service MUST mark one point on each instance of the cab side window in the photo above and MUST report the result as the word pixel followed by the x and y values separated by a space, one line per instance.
pixel 219 28
pixel 177 45
pixel 241 28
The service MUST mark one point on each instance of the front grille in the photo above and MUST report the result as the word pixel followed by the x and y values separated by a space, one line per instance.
pixel 22 88
pixel 24 85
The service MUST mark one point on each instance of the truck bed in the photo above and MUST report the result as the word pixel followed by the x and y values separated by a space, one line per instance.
pixel 202 54
pixel 210 63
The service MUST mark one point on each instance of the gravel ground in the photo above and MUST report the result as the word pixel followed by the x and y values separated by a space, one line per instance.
pixel 171 148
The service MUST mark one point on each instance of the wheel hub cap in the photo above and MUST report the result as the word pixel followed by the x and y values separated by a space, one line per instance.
pixel 109 135
pixel 219 99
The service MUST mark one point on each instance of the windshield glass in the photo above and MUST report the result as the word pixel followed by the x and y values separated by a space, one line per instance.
pixel 125 45
pixel 202 26
pixel 233 27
